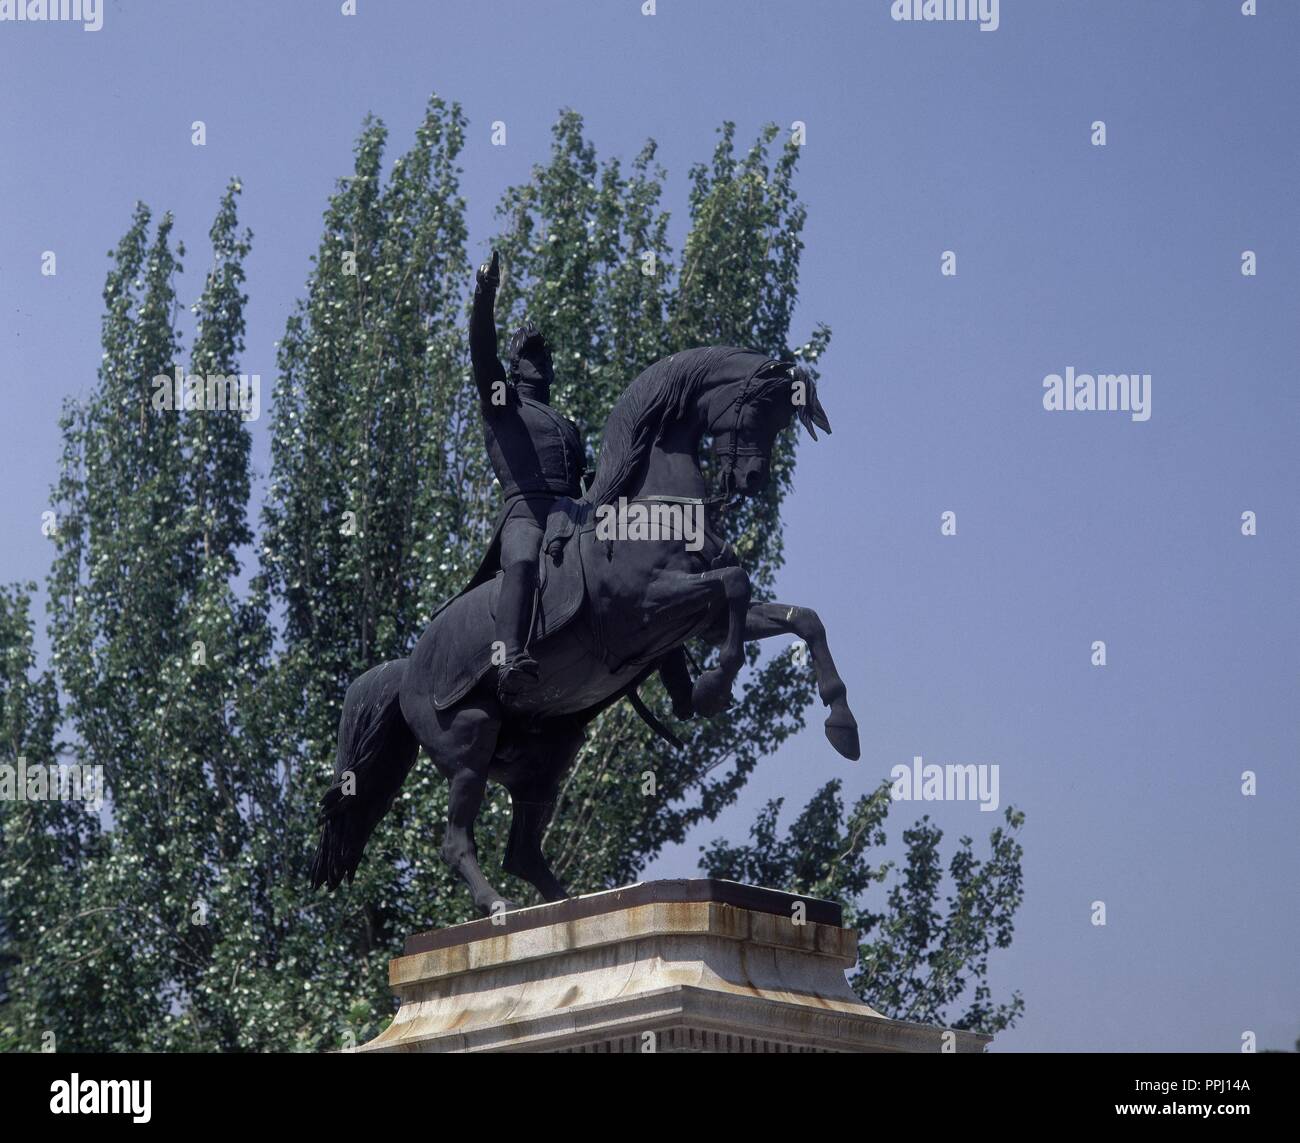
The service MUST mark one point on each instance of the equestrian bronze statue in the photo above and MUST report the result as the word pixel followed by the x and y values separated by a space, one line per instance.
pixel 607 604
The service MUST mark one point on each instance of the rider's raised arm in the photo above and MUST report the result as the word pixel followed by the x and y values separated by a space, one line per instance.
pixel 489 373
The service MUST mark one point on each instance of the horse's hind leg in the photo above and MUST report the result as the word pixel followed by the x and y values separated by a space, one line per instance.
pixel 461 742
pixel 532 767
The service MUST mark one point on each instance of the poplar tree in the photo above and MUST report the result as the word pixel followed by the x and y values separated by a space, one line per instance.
pixel 148 648
pixel 44 845
pixel 371 519
pixel 115 590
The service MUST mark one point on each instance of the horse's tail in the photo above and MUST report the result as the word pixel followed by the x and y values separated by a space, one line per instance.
pixel 376 751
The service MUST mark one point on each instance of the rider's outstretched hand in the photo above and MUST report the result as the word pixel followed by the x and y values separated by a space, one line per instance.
pixel 489 274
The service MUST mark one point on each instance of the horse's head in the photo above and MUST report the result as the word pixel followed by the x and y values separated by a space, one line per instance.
pixel 745 418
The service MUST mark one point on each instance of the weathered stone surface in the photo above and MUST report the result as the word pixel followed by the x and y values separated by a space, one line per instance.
pixel 663 966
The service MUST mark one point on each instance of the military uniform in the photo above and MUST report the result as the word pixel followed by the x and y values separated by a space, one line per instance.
pixel 537 455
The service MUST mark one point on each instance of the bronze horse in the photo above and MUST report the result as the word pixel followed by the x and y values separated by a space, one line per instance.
pixel 610 611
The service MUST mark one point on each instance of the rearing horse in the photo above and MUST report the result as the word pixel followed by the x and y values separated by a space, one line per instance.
pixel 611 610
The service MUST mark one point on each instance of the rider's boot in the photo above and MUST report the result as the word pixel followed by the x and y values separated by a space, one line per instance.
pixel 513 627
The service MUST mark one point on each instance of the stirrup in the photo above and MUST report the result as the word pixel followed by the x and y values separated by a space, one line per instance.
pixel 520 674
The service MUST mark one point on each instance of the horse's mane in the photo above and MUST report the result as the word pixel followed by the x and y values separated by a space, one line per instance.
pixel 659 395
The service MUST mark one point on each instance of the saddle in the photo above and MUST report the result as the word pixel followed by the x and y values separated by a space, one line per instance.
pixel 455 652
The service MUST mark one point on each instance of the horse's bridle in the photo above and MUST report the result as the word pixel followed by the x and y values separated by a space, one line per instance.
pixel 726 442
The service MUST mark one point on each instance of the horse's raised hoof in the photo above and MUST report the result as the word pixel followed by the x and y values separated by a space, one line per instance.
pixel 844 737
pixel 712 693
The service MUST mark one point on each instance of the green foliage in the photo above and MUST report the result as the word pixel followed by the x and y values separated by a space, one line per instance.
pixel 180 918
pixel 915 961
pixel 43 843
pixel 152 652
pixel 378 508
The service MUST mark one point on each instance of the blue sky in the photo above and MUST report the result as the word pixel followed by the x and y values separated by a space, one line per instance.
pixel 1072 527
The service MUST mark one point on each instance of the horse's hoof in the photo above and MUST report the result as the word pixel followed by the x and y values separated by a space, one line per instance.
pixel 501 906
pixel 710 704
pixel 844 737
pixel 711 694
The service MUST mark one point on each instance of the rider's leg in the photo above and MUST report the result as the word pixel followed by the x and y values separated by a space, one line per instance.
pixel 521 540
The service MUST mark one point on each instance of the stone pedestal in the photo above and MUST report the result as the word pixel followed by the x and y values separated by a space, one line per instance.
pixel 668 966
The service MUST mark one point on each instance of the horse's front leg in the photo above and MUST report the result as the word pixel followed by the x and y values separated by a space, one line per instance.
pixel 712 691
pixel 676 677
pixel 707 598
pixel 766 619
